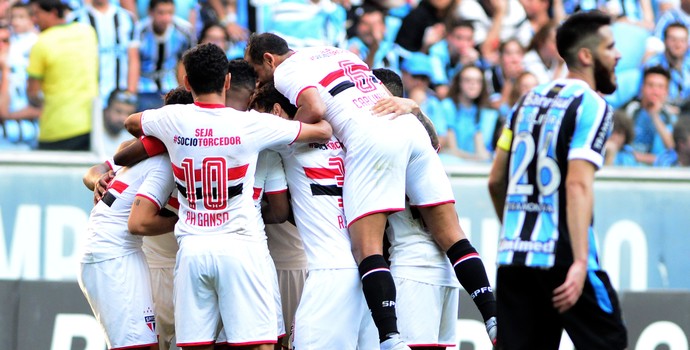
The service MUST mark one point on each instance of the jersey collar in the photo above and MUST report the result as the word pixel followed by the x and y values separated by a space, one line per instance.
pixel 209 105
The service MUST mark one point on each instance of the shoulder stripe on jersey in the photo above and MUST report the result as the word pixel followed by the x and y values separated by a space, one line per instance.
pixel 118 186
pixel 332 76
pixel 341 87
pixel 235 173
pixel 326 190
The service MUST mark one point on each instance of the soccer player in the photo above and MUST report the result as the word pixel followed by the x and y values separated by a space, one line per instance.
pixel 213 151
pixel 114 274
pixel 382 167
pixel 332 313
pixel 549 278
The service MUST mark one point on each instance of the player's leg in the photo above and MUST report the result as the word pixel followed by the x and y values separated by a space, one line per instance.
pixel 366 234
pixel 526 315
pixel 595 321
pixel 429 189
pixel 162 283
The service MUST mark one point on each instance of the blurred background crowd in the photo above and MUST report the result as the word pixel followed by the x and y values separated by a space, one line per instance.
pixel 465 62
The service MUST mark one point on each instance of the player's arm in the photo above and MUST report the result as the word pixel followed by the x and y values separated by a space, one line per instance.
pixel 97 179
pixel 33 92
pixel 140 149
pixel 498 181
pixel 133 69
pixel 133 124
pixel 145 218
pixel 310 106
pixel 314 132
pixel 277 208
pixel 579 185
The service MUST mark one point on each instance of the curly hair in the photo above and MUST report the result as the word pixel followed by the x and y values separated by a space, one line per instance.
pixel 242 75
pixel 206 66
pixel 266 96
pixel 178 96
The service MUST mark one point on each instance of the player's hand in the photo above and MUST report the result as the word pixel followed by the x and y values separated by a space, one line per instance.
pixel 567 294
pixel 102 185
pixel 394 107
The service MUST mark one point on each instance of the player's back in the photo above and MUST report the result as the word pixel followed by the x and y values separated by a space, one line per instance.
pixel 107 232
pixel 213 151
pixel 315 177
pixel 552 124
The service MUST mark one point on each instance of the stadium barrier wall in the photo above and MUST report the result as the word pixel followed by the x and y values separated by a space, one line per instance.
pixel 640 217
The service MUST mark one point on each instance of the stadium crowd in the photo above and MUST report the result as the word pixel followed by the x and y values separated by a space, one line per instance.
pixel 465 62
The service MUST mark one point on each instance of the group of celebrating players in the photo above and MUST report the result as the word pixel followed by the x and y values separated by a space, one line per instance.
pixel 358 163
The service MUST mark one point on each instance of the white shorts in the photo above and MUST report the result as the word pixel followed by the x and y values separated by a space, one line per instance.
pixel 119 293
pixel 333 314
pixel 291 284
pixel 382 167
pixel 162 286
pixel 427 313
pixel 224 277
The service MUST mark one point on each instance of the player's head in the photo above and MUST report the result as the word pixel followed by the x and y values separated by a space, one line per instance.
pixel 162 13
pixel 20 17
pixel 242 84
pixel 268 99
pixel 214 33
pixel 391 80
pixel 120 105
pixel 178 96
pixel 585 42
pixel 264 53
pixel 206 68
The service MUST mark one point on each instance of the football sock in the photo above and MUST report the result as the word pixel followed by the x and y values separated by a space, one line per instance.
pixel 471 273
pixel 379 292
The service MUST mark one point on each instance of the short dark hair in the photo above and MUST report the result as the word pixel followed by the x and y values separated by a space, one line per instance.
pixel 675 25
pixel 458 22
pixel 391 80
pixel 206 66
pixel 574 32
pixel 265 42
pixel 20 5
pixel 50 5
pixel 178 96
pixel 210 25
pixel 624 124
pixel 242 75
pixel 266 96
pixel 656 70
pixel 154 3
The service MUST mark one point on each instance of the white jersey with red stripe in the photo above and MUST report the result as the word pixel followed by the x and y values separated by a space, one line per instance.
pixel 343 80
pixel 414 254
pixel 107 234
pixel 269 178
pixel 213 150
pixel 315 177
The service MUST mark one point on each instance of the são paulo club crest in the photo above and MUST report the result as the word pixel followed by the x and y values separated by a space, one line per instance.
pixel 150 319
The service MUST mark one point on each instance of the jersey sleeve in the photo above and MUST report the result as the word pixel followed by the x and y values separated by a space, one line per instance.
pixel 271 131
pixel 155 122
pixel 158 184
pixel 288 82
pixel 592 128
pixel 275 174
pixel 37 62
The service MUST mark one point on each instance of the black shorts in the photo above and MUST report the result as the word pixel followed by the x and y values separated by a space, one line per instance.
pixel 527 319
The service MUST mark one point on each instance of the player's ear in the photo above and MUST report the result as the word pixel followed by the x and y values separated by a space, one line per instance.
pixel 227 81
pixel 277 110
pixel 187 86
pixel 585 56
pixel 268 58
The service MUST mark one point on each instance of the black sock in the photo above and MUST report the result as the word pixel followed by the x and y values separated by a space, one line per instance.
pixel 379 291
pixel 471 273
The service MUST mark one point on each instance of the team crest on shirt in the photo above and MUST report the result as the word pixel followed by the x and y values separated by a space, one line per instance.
pixel 150 319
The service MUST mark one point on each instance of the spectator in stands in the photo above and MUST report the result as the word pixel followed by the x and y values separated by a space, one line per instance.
pixel 120 105
pixel 118 58
pixel 305 23
pixel 370 42
pixel 162 38
pixel 63 77
pixel 524 83
pixel 653 123
pixel 537 12
pixel 542 58
pixel 4 13
pixel 424 25
pixel 21 119
pixel 676 60
pixel 680 154
pixel 619 150
pixel 4 70
pixel 680 14
pixel 416 76
pixel 215 33
pixel 502 77
pixel 471 123
pixel 496 21
pixel 449 55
